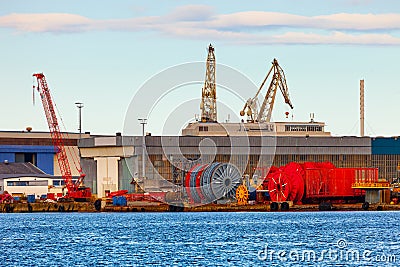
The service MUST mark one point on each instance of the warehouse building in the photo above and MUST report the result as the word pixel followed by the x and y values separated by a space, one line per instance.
pixel 113 163
pixel 116 162
pixel 36 148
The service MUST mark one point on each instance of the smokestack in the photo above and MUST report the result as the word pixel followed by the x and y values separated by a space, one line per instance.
pixel 362 108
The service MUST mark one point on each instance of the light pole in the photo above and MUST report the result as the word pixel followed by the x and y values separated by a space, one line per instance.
pixel 79 105
pixel 143 122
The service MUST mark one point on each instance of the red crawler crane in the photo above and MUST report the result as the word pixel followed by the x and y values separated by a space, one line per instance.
pixel 76 190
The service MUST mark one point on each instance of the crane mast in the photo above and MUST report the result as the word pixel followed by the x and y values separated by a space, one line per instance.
pixel 208 103
pixel 74 189
pixel 278 81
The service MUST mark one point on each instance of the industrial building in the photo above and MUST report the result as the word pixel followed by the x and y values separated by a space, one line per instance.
pixel 36 148
pixel 116 162
pixel 28 162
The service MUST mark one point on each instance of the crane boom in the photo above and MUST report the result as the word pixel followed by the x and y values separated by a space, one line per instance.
pixel 74 189
pixel 208 103
pixel 278 81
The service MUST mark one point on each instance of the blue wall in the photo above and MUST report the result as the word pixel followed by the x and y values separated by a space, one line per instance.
pixel 45 162
pixel 7 156
pixel 44 155
pixel 385 146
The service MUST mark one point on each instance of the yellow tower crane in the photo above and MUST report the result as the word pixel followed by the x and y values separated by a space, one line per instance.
pixel 208 103
pixel 265 112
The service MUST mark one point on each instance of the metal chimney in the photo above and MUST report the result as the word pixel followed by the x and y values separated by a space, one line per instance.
pixel 362 108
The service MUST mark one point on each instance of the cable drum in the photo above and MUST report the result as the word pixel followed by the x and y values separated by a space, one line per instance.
pixel 193 191
pixel 207 183
pixel 225 180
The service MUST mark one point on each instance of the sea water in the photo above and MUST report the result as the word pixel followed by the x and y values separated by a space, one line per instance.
pixel 201 239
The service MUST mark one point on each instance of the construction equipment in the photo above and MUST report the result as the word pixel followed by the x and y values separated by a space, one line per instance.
pixel 264 114
pixel 208 103
pixel 117 193
pixel 6 197
pixel 76 190
pixel 242 195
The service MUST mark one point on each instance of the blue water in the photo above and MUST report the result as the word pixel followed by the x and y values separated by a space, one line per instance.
pixel 200 239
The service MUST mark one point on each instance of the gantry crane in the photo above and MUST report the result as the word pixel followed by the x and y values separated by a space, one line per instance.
pixel 265 112
pixel 208 103
pixel 76 190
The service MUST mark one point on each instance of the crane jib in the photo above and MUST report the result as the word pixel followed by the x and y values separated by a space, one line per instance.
pixel 264 114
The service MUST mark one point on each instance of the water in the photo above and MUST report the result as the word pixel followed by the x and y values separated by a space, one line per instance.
pixel 200 239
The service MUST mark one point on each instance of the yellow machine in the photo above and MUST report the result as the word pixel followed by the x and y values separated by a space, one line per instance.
pixel 242 195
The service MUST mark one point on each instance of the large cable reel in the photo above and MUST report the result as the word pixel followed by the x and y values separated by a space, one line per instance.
pixel 206 183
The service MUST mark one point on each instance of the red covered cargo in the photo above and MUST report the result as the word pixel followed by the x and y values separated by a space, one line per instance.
pixel 313 180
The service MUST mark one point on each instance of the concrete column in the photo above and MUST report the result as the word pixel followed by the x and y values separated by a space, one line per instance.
pixel 107 175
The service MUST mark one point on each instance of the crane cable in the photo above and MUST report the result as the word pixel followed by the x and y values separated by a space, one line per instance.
pixel 33 90
pixel 73 154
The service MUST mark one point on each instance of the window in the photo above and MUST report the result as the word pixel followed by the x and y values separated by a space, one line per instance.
pixel 39 183
pixel 314 128
pixel 303 128
pixel 26 157
pixel 303 158
pixel 203 128
pixel 61 182
pixel 28 183
pixel 17 183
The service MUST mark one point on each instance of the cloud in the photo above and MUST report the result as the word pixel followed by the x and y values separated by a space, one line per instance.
pixel 341 21
pixel 251 27
pixel 359 22
pixel 53 22
pixel 358 2
pixel 191 13
pixel 337 38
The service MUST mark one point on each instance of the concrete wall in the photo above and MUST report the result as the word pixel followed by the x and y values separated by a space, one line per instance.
pixel 107 175
pixel 127 171
pixel 89 167
pixel 109 165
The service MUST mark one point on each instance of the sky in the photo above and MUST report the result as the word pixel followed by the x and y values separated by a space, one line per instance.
pixel 102 53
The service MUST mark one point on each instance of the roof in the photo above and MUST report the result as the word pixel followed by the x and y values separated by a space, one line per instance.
pixel 21 169
pixel 35 138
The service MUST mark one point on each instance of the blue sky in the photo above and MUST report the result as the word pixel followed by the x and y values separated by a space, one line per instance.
pixel 101 52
